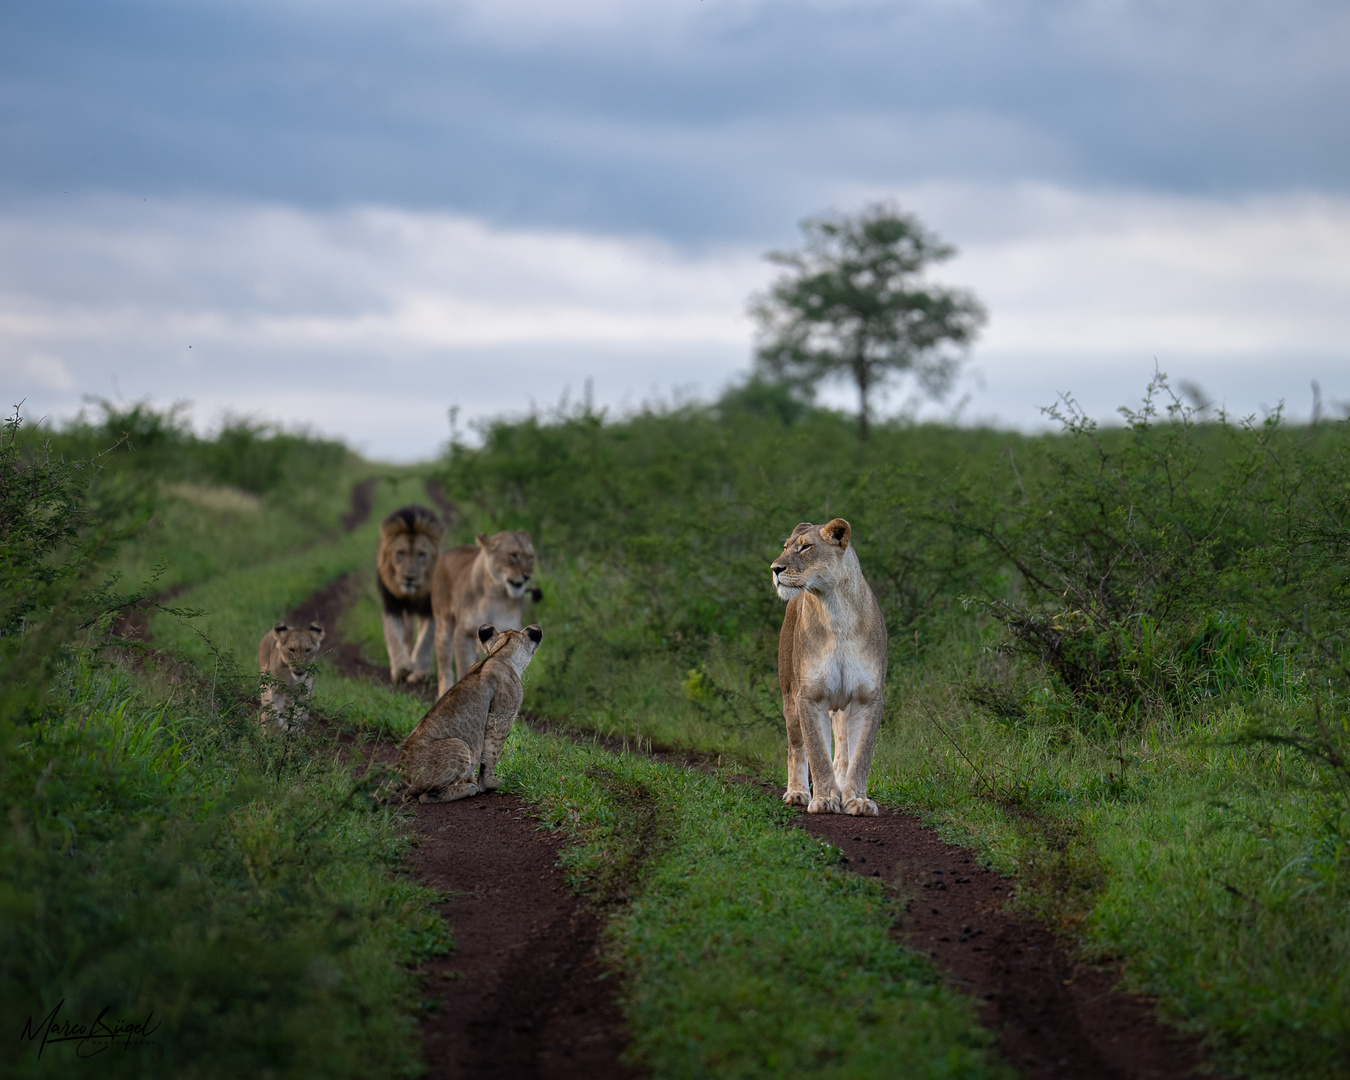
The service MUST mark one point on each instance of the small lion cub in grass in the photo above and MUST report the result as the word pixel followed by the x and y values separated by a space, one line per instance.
pixel 453 751
pixel 285 656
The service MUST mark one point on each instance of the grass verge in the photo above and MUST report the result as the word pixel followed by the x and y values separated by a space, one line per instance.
pixel 747 950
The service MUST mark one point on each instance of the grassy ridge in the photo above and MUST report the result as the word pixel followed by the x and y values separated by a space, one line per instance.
pixel 748 951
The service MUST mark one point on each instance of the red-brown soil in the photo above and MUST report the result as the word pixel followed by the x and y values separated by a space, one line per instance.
pixel 1054 1017
pixel 449 511
pixel 524 993
pixel 363 498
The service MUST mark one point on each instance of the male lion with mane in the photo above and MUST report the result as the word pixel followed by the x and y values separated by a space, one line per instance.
pixel 831 667
pixel 481 583
pixel 410 542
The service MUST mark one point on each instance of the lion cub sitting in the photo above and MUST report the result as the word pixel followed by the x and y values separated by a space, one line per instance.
pixel 284 658
pixel 466 729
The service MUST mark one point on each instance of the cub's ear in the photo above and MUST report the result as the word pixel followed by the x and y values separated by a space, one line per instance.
pixel 537 594
pixel 837 532
pixel 280 627
pixel 486 633
pixel 534 633
pixel 316 628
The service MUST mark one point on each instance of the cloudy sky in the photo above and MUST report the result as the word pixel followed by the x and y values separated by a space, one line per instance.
pixel 358 215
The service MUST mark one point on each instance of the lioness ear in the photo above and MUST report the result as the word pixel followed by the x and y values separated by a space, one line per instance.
pixel 280 627
pixel 534 633
pixel 837 531
pixel 486 633
pixel 801 528
pixel 482 539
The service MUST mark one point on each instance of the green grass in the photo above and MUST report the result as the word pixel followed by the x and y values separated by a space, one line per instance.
pixel 169 861
pixel 238 607
pixel 1202 862
pixel 161 857
pixel 748 952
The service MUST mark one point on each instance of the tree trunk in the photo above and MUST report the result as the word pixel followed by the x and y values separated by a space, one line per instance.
pixel 862 404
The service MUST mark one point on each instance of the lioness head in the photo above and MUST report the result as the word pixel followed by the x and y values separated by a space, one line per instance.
pixel 298 647
pixel 410 543
pixel 516 647
pixel 813 558
pixel 510 559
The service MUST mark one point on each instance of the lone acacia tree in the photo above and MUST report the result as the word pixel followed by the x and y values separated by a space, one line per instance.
pixel 853 304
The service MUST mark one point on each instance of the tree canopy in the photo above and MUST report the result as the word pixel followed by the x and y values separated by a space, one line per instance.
pixel 853 304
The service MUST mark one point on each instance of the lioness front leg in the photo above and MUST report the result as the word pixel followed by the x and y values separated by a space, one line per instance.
pixel 839 729
pixel 445 654
pixel 815 724
pixel 400 663
pixel 862 720
pixel 466 651
pixel 798 791
pixel 423 652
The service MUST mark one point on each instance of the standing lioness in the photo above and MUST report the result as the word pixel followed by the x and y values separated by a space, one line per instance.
pixel 831 666
pixel 466 729
pixel 484 582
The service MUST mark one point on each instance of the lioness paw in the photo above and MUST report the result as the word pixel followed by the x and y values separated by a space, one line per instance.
pixel 861 808
pixel 796 798
pixel 399 674
pixel 824 805
pixel 416 677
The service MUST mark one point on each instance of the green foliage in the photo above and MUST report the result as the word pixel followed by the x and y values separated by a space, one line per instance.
pixel 1134 552
pixel 162 862
pixel 169 861
pixel 747 951
pixel 659 531
pixel 853 304
pixel 1147 620
pixel 246 454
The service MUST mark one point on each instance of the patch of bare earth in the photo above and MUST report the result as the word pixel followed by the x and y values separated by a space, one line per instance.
pixel 363 498
pixel 524 993
pixel 1054 1017
pixel 449 511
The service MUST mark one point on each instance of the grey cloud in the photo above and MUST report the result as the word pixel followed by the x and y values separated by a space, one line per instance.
pixel 727 122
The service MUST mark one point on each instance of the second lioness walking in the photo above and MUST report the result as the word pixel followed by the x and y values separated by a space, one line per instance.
pixel 483 582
